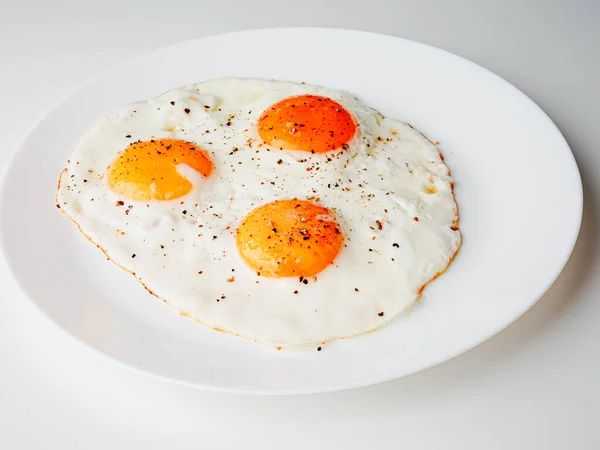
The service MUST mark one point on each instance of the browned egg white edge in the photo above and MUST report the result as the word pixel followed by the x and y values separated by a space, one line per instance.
pixel 455 224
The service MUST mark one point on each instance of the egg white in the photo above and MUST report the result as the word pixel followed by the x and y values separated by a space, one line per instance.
pixel 390 191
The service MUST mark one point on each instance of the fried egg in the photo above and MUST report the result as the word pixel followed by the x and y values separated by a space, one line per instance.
pixel 282 212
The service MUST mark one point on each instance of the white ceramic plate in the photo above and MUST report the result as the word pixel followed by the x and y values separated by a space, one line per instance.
pixel 517 187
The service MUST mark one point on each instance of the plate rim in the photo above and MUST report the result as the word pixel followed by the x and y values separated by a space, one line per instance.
pixel 519 312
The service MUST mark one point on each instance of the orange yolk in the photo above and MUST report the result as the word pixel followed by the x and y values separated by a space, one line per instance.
pixel 148 170
pixel 289 238
pixel 307 122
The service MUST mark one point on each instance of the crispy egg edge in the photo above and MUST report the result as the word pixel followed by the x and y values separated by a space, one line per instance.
pixel 455 224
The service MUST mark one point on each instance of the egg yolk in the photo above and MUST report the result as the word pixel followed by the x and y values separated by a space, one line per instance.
pixel 148 170
pixel 307 122
pixel 289 238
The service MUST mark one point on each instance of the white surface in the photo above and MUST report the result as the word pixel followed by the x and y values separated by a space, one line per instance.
pixel 503 267
pixel 533 386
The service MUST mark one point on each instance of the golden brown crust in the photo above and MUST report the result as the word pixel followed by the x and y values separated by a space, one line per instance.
pixel 455 225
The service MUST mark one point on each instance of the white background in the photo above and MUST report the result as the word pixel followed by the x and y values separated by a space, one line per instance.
pixel 534 386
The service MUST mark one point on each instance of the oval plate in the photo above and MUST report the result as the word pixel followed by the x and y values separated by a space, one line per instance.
pixel 512 168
